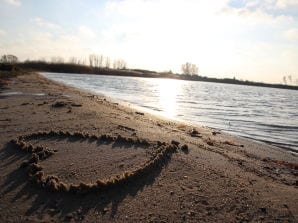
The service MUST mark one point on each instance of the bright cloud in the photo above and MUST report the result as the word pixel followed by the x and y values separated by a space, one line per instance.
pixel 46 45
pixel 291 34
pixel 263 11
pixel 254 40
pixel 86 32
pixel 220 38
pixel 45 24
pixel 286 3
pixel 13 2
pixel 2 33
pixel 164 26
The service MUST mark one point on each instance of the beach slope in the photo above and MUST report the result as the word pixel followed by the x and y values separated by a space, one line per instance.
pixel 124 165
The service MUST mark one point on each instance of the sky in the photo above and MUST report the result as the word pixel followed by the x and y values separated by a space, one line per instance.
pixel 249 40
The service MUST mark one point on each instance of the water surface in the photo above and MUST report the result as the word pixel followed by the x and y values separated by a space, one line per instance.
pixel 263 114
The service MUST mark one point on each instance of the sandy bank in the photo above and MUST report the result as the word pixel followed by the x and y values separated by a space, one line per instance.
pixel 220 178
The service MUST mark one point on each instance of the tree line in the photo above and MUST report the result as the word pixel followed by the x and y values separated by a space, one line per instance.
pixel 288 80
pixel 94 61
pixel 189 69
pixel 9 59
pixel 99 64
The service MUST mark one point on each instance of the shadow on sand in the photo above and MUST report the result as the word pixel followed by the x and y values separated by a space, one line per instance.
pixel 65 205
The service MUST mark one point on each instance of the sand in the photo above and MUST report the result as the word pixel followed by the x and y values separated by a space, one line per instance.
pixel 215 178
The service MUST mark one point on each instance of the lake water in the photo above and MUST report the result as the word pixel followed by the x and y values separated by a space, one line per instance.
pixel 263 114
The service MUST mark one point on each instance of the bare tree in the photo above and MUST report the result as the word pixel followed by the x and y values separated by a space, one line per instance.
pixel 57 60
pixel 119 64
pixel 82 61
pixel 73 60
pixel 42 59
pixel 285 80
pixel 96 60
pixel 10 59
pixel 290 79
pixel 107 62
pixel 115 64
pixel 189 69
pixel 100 62
pixel 92 60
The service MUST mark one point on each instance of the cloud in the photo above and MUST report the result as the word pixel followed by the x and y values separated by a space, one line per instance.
pixel 13 2
pixel 246 38
pixel 286 3
pixel 36 44
pixel 219 37
pixel 2 33
pixel 45 24
pixel 141 8
pixel 85 32
pixel 255 17
pixel 291 34
pixel 163 22
pixel 259 12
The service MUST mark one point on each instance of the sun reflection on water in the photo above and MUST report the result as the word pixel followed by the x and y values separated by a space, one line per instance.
pixel 168 91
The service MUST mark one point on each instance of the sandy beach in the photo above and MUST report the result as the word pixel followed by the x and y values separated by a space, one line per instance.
pixel 111 163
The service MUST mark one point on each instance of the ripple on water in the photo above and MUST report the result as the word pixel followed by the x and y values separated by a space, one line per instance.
pixel 264 114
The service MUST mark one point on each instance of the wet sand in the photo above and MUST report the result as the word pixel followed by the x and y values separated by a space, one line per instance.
pixel 215 178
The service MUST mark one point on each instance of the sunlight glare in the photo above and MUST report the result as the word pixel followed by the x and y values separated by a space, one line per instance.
pixel 168 91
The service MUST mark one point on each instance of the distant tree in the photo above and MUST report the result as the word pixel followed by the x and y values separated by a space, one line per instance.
pixel 73 60
pixel 189 69
pixel 107 62
pixel 81 61
pixel 99 60
pixel 285 80
pixel 57 60
pixel 115 64
pixel 290 79
pixel 42 59
pixel 8 59
pixel 119 64
pixel 96 60
pixel 92 60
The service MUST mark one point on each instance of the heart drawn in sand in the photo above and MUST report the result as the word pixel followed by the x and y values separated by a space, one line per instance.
pixel 160 152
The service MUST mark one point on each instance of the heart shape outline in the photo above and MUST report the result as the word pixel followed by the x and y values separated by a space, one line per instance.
pixel 36 175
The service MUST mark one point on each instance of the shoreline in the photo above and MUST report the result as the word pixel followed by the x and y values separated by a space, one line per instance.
pixel 162 114
pixel 72 68
pixel 221 178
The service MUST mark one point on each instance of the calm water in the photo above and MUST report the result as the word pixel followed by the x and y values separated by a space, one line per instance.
pixel 264 114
